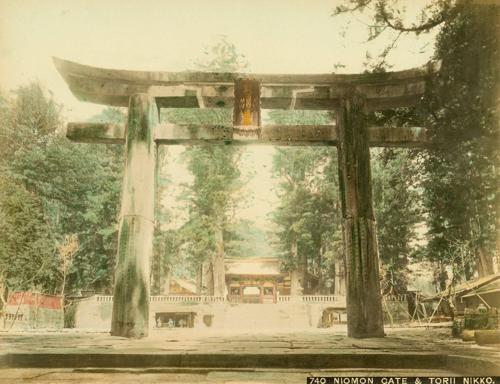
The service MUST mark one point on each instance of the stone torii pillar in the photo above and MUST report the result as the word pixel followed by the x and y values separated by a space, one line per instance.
pixel 350 96
pixel 363 295
pixel 136 227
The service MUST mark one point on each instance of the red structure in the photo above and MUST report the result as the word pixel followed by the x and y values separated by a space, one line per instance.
pixel 33 310
pixel 39 300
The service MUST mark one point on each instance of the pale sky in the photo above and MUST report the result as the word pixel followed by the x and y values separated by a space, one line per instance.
pixel 289 36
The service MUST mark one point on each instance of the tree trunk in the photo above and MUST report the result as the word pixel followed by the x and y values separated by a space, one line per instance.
pixel 339 281
pixel 3 294
pixel 135 239
pixel 295 276
pixel 364 300
pixel 497 223
pixel 320 288
pixel 302 270
pixel 442 276
pixel 199 279
pixel 219 275
pixel 156 268
pixel 165 283
pixel 209 276
pixel 484 263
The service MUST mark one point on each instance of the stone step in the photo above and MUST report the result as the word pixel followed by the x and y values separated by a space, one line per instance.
pixel 375 360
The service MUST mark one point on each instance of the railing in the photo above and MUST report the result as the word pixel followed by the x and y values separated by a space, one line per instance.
pixel 173 298
pixel 104 298
pixel 188 298
pixel 235 299
pixel 320 298
pixel 220 299
pixel 310 299
pixel 401 297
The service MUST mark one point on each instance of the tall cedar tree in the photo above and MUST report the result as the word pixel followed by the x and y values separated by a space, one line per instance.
pixel 50 189
pixel 461 193
pixel 307 218
pixel 213 194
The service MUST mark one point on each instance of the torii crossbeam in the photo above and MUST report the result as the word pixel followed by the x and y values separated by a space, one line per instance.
pixel 349 96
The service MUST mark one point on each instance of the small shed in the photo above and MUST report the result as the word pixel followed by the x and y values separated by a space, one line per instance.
pixel 469 295
pixel 486 294
pixel 180 286
pixel 30 310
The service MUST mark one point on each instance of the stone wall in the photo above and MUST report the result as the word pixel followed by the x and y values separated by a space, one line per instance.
pixel 91 313
pixel 95 313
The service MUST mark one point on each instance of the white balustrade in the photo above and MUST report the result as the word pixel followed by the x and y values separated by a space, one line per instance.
pixel 173 298
pixel 104 298
pixel 401 297
pixel 310 299
pixel 219 299
pixel 319 298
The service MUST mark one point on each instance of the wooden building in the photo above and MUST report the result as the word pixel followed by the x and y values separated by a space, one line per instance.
pixel 255 280
pixel 488 293
pixel 469 295
pixel 261 280
pixel 178 286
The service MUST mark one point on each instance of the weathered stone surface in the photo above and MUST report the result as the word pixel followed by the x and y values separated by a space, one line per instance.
pixel 412 348
pixel 172 134
pixel 279 91
pixel 135 240
pixel 105 133
pixel 490 336
pixel 364 301
pixel 197 375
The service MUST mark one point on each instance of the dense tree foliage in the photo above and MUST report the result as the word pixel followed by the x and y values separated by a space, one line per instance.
pixel 397 200
pixel 51 189
pixel 27 257
pixel 459 172
pixel 397 211
pixel 307 217
pixel 211 198
pixel 461 187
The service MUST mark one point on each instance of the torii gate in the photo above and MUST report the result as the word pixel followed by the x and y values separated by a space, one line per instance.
pixel 349 96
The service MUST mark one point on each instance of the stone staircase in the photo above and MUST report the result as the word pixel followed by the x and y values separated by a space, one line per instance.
pixel 267 316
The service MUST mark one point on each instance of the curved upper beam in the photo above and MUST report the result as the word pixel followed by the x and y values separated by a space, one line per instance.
pixel 278 91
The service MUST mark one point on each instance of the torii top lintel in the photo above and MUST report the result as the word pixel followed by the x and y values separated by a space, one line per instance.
pixel 215 90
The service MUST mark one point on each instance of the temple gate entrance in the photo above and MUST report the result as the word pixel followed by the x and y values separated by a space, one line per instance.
pixel 350 97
